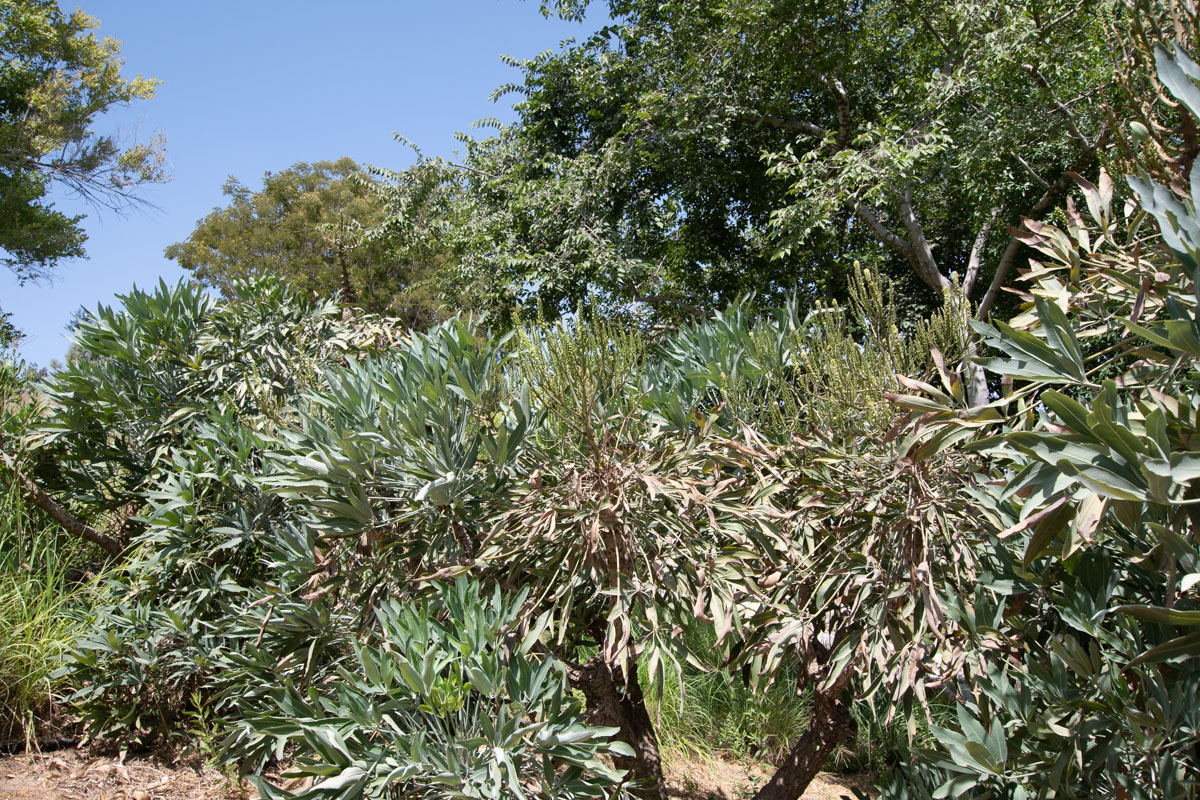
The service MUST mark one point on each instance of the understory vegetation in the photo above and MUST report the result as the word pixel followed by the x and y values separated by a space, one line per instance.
pixel 37 593
pixel 536 550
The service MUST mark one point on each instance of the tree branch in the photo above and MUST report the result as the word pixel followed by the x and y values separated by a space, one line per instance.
pixel 799 126
pixel 975 262
pixel 467 168
pixel 1068 115
pixel 920 256
pixel 43 501
pixel 1045 184
pixel 843 111
pixel 1040 207
pixel 884 235
pixel 921 259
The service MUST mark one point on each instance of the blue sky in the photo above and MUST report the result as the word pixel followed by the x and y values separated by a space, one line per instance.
pixel 258 85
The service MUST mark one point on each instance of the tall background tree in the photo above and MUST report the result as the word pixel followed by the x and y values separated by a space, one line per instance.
pixel 688 153
pixel 311 224
pixel 56 78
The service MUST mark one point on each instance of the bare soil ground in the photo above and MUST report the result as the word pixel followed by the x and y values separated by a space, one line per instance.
pixel 85 774
pixel 716 779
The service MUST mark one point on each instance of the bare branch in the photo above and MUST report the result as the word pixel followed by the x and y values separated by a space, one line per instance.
pixel 1045 183
pixel 785 124
pixel 867 214
pixel 43 501
pixel 843 111
pixel 920 256
pixel 467 168
pixel 1002 268
pixel 1040 207
pixel 1068 115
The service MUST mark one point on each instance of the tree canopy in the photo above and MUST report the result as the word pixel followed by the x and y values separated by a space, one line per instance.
pixel 56 79
pixel 310 224
pixel 686 154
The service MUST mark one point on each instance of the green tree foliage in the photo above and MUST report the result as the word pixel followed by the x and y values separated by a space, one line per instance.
pixel 309 224
pixel 637 487
pixel 686 154
pixel 57 79
pixel 304 503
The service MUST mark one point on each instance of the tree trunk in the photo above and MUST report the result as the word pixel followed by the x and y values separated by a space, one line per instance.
pixel 831 725
pixel 609 706
pixel 975 377
pixel 348 294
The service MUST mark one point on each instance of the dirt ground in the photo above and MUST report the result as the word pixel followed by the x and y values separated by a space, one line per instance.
pixel 85 775
pixel 715 779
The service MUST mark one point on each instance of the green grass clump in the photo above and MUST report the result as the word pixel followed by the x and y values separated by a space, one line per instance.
pixel 41 583
pixel 719 716
pixel 722 718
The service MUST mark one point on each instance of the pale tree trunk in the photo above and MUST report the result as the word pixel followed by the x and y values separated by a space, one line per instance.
pixel 615 700
pixel 974 377
pixel 1044 204
pixel 919 252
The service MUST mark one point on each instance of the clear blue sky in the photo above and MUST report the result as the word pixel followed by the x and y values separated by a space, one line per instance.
pixel 258 85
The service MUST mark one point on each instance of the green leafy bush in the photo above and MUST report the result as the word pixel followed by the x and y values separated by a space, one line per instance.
pixel 1087 677
pixel 168 414
pixel 447 699
pixel 636 488
pixel 43 573
pixel 147 372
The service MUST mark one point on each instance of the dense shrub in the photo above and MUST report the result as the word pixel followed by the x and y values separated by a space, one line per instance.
pixel 445 699
pixel 1086 677
pixel 636 487
pixel 1027 561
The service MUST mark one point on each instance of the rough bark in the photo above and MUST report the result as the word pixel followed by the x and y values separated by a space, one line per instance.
pixel 609 706
pixel 39 498
pixel 348 294
pixel 830 726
